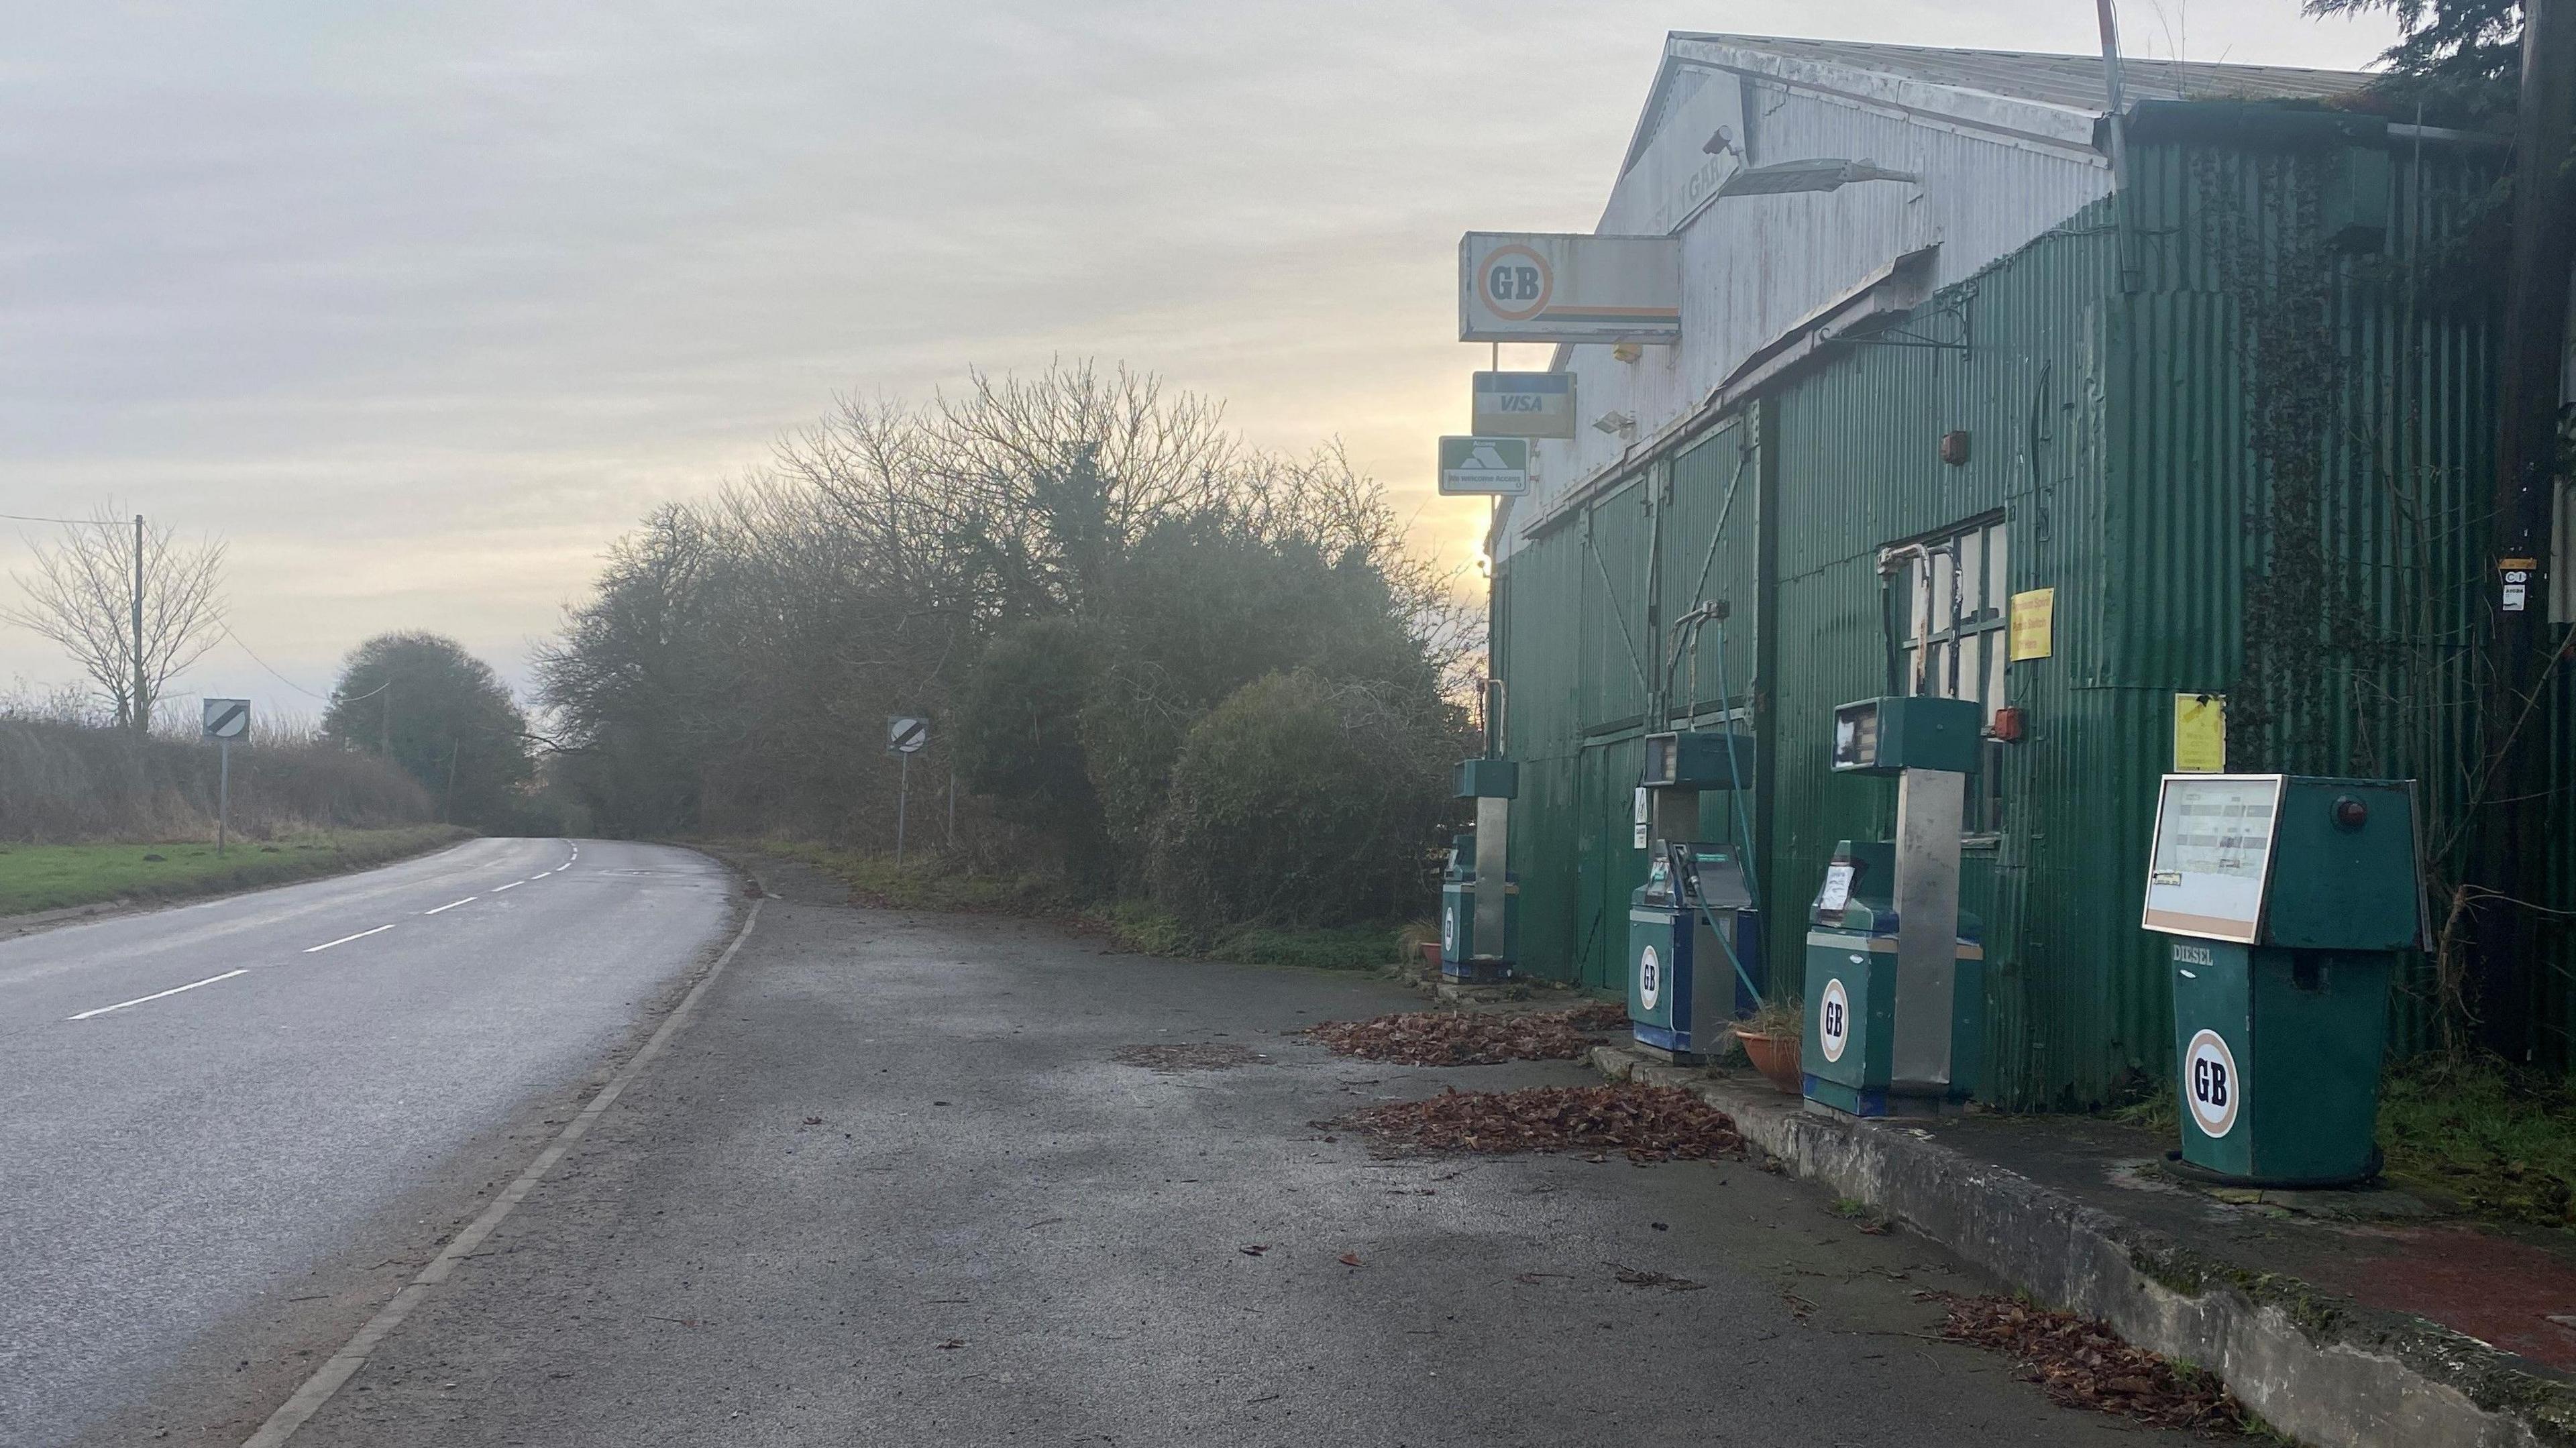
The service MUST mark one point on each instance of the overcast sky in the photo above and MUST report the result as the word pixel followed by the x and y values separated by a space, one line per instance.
pixel 420 306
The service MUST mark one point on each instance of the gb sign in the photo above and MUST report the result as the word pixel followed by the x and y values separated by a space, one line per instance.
pixel 1514 282
pixel 2211 1083
pixel 1559 287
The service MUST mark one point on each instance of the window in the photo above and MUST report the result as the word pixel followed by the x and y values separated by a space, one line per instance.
pixel 1950 601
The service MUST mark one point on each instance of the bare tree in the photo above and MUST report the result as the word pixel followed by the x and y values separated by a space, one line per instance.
pixel 132 605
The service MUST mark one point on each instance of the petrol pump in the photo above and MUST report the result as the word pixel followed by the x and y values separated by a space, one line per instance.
pixel 1480 916
pixel 2287 900
pixel 1896 996
pixel 1694 938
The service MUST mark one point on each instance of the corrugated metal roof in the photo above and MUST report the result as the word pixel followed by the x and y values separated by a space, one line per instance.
pixel 2074 81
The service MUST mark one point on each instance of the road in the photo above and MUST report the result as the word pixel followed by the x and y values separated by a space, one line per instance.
pixel 227 1130
pixel 890 1184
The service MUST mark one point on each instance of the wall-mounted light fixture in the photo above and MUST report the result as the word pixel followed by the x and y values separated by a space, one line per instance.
pixel 1617 424
pixel 1827 174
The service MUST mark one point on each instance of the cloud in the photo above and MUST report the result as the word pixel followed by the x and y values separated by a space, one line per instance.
pixel 420 306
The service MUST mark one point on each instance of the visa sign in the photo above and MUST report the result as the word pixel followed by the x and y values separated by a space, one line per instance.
pixel 1524 404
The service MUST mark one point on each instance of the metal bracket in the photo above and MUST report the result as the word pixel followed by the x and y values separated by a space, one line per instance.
pixel 1904 334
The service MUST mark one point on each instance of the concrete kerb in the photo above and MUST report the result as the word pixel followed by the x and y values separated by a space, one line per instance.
pixel 2315 1367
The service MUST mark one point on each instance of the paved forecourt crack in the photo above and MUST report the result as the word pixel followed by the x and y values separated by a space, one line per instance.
pixel 343 1365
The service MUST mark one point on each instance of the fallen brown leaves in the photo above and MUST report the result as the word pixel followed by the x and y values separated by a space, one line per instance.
pixel 1648 1123
pixel 2084 1364
pixel 1472 1038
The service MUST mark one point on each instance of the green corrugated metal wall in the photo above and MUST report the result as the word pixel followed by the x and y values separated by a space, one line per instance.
pixel 1579 678
pixel 2111 429
pixel 1859 469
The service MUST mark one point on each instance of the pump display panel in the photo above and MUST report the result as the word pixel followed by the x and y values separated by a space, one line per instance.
pixel 1856 735
pixel 2212 859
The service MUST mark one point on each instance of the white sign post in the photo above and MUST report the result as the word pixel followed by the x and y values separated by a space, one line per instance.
pixel 224 721
pixel 1484 466
pixel 905 737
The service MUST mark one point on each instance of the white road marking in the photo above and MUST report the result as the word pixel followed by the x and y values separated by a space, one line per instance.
pixel 344 1364
pixel 541 874
pixel 452 904
pixel 158 994
pixel 513 885
pixel 345 939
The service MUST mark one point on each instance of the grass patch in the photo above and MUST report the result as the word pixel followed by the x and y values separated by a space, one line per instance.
pixel 1143 929
pixel 1349 947
pixel 53 877
pixel 932 884
pixel 919 884
pixel 2503 1143
pixel 2157 1113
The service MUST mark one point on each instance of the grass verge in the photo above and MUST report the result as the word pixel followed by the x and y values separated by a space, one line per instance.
pixel 931 885
pixel 52 877
pixel 2504 1144
pixel 2501 1143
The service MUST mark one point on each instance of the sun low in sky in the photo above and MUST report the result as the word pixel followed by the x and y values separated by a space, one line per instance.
pixel 421 306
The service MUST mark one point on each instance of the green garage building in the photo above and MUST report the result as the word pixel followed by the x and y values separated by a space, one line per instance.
pixel 2216 421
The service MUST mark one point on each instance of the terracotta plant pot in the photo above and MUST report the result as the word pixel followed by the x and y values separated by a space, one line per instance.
pixel 1776 1057
pixel 1431 953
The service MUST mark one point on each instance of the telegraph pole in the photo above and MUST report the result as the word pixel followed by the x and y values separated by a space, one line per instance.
pixel 2516 809
pixel 142 703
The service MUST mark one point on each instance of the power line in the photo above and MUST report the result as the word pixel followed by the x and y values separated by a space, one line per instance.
pixel 263 663
pixel 77 522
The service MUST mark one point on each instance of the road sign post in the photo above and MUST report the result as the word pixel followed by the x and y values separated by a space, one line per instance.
pixel 905 737
pixel 224 721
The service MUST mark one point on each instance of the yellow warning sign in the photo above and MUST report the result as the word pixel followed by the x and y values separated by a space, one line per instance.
pixel 2034 618
pixel 2200 734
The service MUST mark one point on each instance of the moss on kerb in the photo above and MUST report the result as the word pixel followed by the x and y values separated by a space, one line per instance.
pixel 2491 1380
pixel 2319 1317
pixel 2500 1385
pixel 2184 1273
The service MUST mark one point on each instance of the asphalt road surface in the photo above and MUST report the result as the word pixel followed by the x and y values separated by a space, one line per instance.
pixel 891 1185
pixel 228 1130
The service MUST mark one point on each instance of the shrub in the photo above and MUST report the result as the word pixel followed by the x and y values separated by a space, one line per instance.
pixel 1300 802
pixel 1018 735
pixel 66 784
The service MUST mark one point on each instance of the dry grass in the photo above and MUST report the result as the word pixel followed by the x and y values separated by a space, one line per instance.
pixel 63 784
